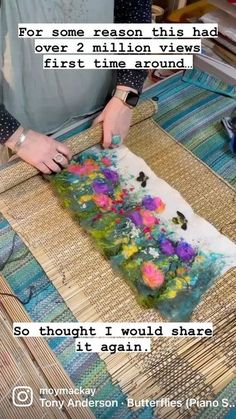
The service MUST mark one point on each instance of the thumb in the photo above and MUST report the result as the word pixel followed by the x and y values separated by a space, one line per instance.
pixel 98 119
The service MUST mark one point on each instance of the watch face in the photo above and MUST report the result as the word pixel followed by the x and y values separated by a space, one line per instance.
pixel 132 99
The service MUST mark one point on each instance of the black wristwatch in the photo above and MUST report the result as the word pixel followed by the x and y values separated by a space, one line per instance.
pixel 129 98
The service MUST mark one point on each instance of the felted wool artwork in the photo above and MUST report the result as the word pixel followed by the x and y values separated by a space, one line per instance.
pixel 167 254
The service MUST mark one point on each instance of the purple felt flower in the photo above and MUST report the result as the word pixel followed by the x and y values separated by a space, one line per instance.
pixel 101 187
pixel 185 251
pixel 111 175
pixel 167 247
pixel 136 218
pixel 149 203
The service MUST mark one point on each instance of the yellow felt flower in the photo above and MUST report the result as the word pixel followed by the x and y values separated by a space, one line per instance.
pixel 178 284
pixel 119 195
pixel 170 293
pixel 122 240
pixel 85 198
pixel 129 250
pixel 92 176
pixel 199 258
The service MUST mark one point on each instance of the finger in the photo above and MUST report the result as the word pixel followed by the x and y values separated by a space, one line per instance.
pixel 43 169
pixel 107 136
pixel 98 119
pixel 66 151
pixel 52 166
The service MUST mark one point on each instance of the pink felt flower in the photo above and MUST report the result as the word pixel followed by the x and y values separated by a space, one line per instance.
pixel 74 168
pixel 106 161
pixel 152 276
pixel 149 220
pixel 160 206
pixel 103 201
pixel 89 166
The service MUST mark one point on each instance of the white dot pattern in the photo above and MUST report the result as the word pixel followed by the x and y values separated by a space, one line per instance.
pixel 8 124
pixel 132 11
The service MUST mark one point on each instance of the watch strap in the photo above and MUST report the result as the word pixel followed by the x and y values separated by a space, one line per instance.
pixel 123 95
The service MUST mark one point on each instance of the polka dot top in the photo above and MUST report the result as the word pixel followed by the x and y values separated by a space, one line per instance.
pixel 8 124
pixel 126 11
pixel 132 11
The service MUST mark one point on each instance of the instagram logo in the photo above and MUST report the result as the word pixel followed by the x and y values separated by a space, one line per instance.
pixel 22 396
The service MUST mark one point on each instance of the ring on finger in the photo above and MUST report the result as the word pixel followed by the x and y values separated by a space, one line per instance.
pixel 59 158
pixel 116 140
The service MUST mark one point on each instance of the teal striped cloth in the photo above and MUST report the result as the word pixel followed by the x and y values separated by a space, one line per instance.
pixel 192 115
pixel 224 405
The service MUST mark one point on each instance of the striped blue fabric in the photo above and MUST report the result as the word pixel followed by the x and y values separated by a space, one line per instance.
pixel 192 115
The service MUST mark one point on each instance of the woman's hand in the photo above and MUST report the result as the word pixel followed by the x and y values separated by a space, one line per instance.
pixel 116 118
pixel 41 151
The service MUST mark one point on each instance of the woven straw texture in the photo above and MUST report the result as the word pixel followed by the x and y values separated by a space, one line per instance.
pixel 177 367
pixel 29 362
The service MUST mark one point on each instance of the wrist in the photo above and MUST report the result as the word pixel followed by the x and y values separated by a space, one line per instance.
pixel 11 142
pixel 126 88
pixel 16 141
pixel 128 97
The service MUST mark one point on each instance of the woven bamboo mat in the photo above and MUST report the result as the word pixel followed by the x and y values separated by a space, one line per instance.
pixel 29 362
pixel 176 367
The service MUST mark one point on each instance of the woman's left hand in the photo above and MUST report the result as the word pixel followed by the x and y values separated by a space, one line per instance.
pixel 116 119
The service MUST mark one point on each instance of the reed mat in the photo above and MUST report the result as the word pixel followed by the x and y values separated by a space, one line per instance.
pixel 176 367
pixel 29 362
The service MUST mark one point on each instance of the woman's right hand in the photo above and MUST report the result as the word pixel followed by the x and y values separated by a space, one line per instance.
pixel 41 151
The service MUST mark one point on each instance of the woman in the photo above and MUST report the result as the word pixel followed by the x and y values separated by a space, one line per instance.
pixel 35 103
